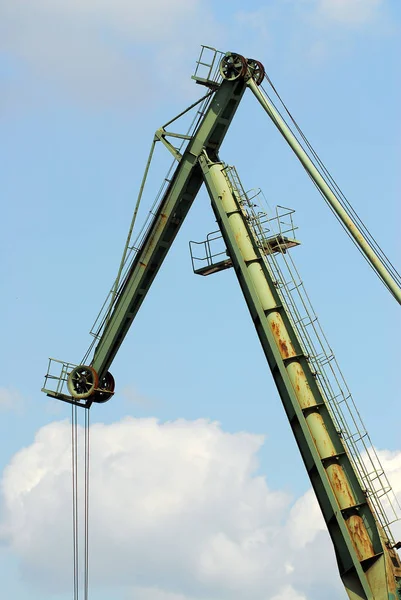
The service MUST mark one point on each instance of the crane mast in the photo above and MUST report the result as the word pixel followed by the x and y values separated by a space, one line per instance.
pixel 368 563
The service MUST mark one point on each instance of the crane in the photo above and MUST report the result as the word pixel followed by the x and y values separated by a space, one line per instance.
pixel 366 554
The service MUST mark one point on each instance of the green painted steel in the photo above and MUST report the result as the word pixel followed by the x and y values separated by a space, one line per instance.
pixel 364 561
pixel 369 568
pixel 170 215
pixel 331 198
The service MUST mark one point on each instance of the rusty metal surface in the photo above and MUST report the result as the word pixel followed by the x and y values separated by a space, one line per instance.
pixel 325 446
pixel 361 540
pixel 280 334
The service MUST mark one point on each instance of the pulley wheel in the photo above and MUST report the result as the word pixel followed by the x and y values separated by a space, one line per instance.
pixel 82 382
pixel 256 69
pixel 233 66
pixel 105 389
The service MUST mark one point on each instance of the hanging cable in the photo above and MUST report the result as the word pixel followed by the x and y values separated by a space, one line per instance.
pixel 86 518
pixel 74 465
pixel 76 532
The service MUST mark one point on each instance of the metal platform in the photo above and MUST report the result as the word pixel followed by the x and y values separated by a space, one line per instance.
pixel 55 384
pixel 207 71
pixel 277 243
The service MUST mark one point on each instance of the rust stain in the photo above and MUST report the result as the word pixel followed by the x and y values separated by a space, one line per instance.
pixel 282 344
pixel 142 264
pixel 298 381
pixel 283 348
pixel 360 538
pixel 152 240
pixel 301 388
pixel 319 434
pixel 340 486
pixel 275 328
pixel 393 571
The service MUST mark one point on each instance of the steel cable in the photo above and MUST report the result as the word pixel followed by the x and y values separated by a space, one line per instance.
pixel 337 191
pixel 74 460
pixel 76 505
pixel 204 102
pixel 86 518
pixel 345 202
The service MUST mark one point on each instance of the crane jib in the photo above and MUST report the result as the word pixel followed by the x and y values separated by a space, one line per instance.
pixel 369 565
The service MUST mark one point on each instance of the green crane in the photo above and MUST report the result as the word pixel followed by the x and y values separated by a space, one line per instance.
pixel 368 563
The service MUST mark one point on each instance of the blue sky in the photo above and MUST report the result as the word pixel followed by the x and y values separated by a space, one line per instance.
pixel 84 85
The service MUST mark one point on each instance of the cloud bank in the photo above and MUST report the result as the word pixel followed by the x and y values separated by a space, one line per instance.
pixel 178 512
pixel 100 53
pixel 103 54
pixel 352 13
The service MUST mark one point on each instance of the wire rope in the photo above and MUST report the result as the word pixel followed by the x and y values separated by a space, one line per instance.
pixel 76 532
pixel 74 465
pixel 145 227
pixel 335 188
pixel 86 504
pixel 330 181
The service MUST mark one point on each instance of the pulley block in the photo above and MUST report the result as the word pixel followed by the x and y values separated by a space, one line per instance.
pixel 256 69
pixel 106 388
pixel 233 66
pixel 82 382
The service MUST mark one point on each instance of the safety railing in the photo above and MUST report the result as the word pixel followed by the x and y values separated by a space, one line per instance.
pixel 207 70
pixel 56 377
pixel 321 357
pixel 210 255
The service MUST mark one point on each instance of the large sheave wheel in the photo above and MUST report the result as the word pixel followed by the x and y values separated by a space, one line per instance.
pixel 82 382
pixel 233 66
pixel 106 388
pixel 257 70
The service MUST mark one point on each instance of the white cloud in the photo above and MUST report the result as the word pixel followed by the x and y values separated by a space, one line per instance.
pixel 153 594
pixel 10 400
pixel 132 396
pixel 288 593
pixel 258 20
pixel 349 12
pixel 303 531
pixel 178 512
pixel 175 505
pixel 312 32
pixel 103 52
pixel 122 53
pixel 285 593
pixel 390 463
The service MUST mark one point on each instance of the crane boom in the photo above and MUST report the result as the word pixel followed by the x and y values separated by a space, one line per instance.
pixel 369 568
pixel 170 215
pixel 368 562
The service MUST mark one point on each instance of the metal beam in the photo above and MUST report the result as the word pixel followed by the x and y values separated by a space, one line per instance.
pixel 361 552
pixel 169 217
pixel 328 193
